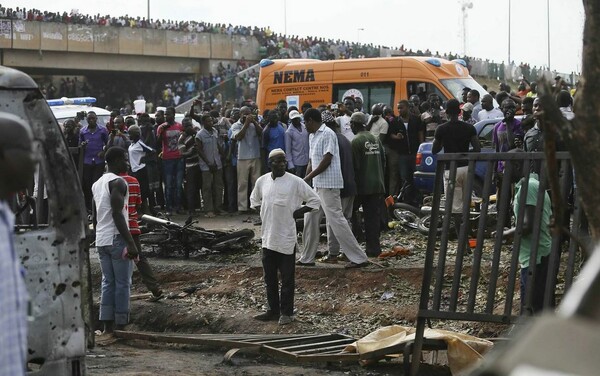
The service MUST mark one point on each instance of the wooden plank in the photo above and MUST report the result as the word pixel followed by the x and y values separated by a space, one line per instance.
pixel 339 348
pixel 294 341
pixel 315 345
pixel 345 357
pixel 188 340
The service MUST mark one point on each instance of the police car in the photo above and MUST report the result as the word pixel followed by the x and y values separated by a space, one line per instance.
pixel 69 108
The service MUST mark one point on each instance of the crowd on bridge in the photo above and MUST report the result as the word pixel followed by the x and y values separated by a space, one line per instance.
pixel 272 44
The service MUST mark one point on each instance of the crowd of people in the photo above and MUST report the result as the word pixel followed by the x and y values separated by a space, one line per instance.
pixel 161 92
pixel 351 156
pixel 210 84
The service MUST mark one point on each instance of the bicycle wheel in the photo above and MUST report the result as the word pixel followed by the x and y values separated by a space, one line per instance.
pixel 233 239
pixel 406 214
pixel 154 237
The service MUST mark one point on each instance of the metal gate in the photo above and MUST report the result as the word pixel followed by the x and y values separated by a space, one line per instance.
pixel 477 283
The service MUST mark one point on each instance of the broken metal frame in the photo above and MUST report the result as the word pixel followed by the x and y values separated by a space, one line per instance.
pixel 301 348
pixel 433 289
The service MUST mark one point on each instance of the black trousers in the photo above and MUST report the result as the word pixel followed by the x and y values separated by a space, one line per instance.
pixel 91 173
pixel 372 219
pixel 142 178
pixel 539 288
pixel 193 183
pixel 274 262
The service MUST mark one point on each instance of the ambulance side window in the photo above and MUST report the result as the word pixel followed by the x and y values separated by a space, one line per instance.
pixel 423 89
pixel 372 93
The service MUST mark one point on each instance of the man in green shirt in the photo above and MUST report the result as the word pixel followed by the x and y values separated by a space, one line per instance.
pixel 544 242
pixel 368 157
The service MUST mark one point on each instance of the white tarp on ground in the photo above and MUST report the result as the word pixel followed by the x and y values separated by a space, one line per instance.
pixel 464 351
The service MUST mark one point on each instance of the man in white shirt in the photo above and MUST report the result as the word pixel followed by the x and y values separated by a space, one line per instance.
pixel 325 172
pixel 137 154
pixel 344 120
pixel 473 98
pixel 114 242
pixel 280 195
pixel 487 109
pixel 377 125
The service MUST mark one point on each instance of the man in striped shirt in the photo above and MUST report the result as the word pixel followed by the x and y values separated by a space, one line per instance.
pixel 135 201
pixel 325 171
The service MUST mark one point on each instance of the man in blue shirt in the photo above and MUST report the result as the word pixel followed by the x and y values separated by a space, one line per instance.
pixel 296 145
pixel 94 137
pixel 273 136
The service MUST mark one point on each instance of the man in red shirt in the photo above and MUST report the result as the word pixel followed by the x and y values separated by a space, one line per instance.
pixel 135 201
pixel 173 165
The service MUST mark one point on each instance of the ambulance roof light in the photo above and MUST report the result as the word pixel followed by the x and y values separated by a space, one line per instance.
pixel 64 100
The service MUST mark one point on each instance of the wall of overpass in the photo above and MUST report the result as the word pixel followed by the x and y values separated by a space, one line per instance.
pixel 65 46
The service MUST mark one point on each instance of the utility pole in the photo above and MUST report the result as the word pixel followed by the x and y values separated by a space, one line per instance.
pixel 548 23
pixel 285 17
pixel 465 6
pixel 509 3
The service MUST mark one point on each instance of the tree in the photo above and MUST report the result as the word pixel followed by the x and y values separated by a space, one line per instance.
pixel 581 135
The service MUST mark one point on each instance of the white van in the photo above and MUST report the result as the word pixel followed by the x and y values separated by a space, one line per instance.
pixel 67 108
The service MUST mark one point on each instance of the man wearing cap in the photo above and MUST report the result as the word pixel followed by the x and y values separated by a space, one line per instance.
pixel 280 195
pixel 17 165
pixel 296 145
pixel 324 169
pixel 368 158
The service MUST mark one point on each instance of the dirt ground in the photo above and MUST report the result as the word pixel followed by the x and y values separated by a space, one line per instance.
pixel 219 293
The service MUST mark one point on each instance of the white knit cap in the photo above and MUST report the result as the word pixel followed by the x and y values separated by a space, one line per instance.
pixel 276 152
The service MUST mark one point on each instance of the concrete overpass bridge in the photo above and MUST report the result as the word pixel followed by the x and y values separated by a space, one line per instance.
pixel 58 48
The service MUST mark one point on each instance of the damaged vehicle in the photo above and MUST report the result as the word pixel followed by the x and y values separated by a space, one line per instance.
pixel 50 229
